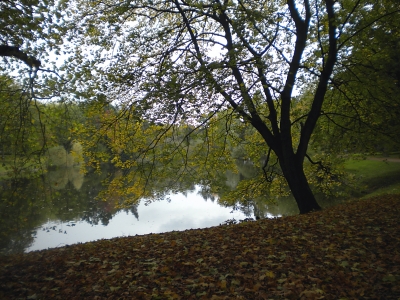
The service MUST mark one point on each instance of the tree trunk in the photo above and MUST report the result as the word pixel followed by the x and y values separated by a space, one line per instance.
pixel 300 188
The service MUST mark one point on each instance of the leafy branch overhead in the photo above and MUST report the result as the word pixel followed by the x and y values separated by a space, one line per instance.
pixel 31 36
pixel 31 30
pixel 282 83
pixel 182 62
pixel 10 51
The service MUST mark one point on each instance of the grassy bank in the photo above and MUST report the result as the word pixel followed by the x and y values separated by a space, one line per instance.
pixel 375 176
pixel 350 251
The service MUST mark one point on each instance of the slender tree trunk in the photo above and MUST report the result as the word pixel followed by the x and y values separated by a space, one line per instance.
pixel 298 184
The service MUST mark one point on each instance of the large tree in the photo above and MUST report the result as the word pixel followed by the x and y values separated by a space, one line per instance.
pixel 172 61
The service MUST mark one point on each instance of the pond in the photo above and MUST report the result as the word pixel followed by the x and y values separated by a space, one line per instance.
pixel 60 208
pixel 182 212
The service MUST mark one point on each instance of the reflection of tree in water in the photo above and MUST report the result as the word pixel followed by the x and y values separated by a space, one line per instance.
pixel 259 208
pixel 62 194
pixel 246 208
pixel 65 194
pixel 59 178
pixel 206 193
pixel 246 169
pixel 163 189
pixel 133 210
pixel 97 215
pixel 80 204
pixel 21 210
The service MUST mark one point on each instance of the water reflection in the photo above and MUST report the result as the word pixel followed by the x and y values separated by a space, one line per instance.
pixel 60 208
pixel 179 214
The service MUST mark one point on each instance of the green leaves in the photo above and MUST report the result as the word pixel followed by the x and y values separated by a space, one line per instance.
pixel 363 100
pixel 34 26
pixel 170 64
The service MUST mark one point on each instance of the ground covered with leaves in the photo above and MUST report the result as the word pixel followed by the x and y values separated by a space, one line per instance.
pixel 351 251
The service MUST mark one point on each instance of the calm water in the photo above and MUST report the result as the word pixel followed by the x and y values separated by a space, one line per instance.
pixel 182 212
pixel 60 208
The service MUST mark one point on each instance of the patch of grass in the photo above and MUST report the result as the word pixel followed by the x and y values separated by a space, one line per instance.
pixel 377 176
pixel 369 169
pixel 388 190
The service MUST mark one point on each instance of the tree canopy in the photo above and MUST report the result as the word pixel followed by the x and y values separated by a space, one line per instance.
pixel 31 36
pixel 29 30
pixel 364 103
pixel 155 73
pixel 174 61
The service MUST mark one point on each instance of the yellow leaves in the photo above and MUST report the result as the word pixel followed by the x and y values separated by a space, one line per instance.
pixel 270 241
pixel 304 255
pixel 312 294
pixel 171 295
pixel 160 241
pixel 222 284
pixel 270 274
pixel 244 264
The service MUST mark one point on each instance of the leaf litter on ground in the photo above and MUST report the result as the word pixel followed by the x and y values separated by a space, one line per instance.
pixel 350 251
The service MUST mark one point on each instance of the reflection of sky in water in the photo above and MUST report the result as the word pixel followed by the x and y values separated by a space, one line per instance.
pixel 180 214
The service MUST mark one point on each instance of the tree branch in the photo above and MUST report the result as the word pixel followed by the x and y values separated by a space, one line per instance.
pixel 12 51
pixel 326 73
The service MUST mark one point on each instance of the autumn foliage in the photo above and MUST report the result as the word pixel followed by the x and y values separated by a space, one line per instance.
pixel 350 251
